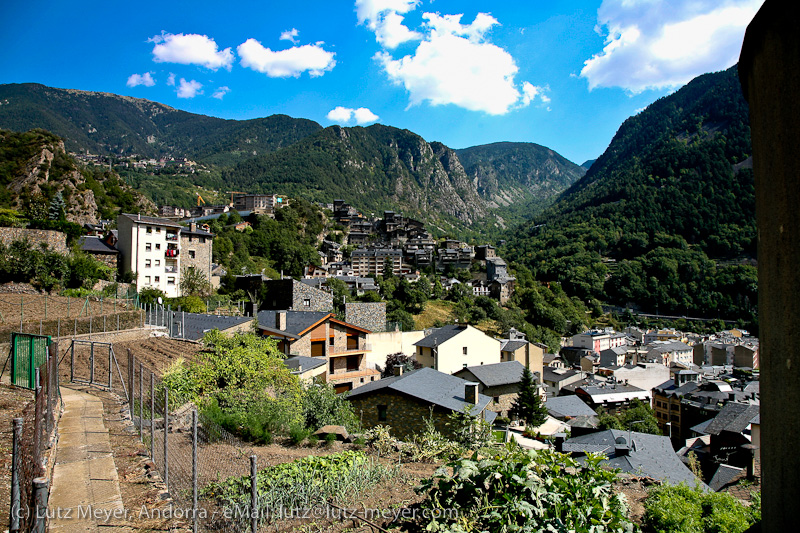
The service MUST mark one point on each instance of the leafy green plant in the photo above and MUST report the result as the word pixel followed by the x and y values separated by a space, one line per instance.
pixel 302 484
pixel 330 438
pixel 683 509
pixel 518 490
pixel 298 433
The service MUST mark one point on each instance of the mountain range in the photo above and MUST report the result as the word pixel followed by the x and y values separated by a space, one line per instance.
pixel 373 168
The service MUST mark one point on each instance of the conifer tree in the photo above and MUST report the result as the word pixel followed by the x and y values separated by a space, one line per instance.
pixel 528 405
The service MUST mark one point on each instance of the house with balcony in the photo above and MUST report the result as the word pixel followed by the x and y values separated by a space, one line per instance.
pixel 150 248
pixel 320 335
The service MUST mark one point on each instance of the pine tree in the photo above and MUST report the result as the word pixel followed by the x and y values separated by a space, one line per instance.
pixel 58 208
pixel 528 405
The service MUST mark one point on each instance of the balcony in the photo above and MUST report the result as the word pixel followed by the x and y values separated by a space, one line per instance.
pixel 171 253
pixel 171 269
pixel 350 349
pixel 172 237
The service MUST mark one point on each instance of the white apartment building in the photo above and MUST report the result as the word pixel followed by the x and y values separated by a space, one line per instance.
pixel 150 248
pixel 598 341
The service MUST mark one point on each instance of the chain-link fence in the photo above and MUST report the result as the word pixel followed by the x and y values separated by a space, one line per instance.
pixel 189 449
pixel 33 439
pixel 43 314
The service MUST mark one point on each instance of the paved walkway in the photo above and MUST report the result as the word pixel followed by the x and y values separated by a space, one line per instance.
pixel 85 492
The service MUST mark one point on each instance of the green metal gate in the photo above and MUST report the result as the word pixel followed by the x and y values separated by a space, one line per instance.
pixel 28 352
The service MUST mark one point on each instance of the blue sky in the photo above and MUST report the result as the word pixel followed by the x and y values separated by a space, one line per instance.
pixel 564 74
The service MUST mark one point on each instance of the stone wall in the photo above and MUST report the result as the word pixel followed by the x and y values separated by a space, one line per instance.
pixel 405 415
pixel 318 300
pixel 201 246
pixel 367 315
pixel 55 240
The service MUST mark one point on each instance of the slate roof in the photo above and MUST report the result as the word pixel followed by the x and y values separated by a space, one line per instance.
pixel 572 406
pixel 648 455
pixel 96 245
pixel 441 335
pixel 701 427
pixel 308 363
pixel 196 324
pixel 675 346
pixel 141 219
pixel 734 417
pixel 496 374
pixel 511 345
pixel 725 475
pixel 549 374
pixel 296 321
pixel 428 385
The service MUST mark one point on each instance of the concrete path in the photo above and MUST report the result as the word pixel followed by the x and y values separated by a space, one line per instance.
pixel 85 492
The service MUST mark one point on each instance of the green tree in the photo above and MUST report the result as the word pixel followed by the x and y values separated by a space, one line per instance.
pixel 58 208
pixel 194 283
pixel 528 406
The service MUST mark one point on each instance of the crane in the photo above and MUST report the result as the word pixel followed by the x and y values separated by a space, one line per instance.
pixel 200 199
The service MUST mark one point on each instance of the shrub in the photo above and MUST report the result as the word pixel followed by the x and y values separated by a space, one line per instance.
pixel 313 440
pixel 298 433
pixel 322 406
pixel 681 509
pixel 330 438
pixel 518 490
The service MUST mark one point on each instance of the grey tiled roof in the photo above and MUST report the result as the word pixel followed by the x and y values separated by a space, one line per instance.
pixel 496 374
pixel 725 475
pixel 307 363
pixel 196 324
pixel 141 219
pixel 95 245
pixel 571 405
pixel 671 347
pixel 511 345
pixel 441 335
pixel 428 385
pixel 701 427
pixel 648 455
pixel 549 374
pixel 734 417
pixel 296 321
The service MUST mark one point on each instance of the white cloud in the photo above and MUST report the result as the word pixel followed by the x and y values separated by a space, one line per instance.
pixel 171 80
pixel 311 58
pixel 145 79
pixel 346 115
pixel 454 65
pixel 384 19
pixel 189 89
pixel 190 49
pixel 221 92
pixel 653 44
pixel 290 35
pixel 530 92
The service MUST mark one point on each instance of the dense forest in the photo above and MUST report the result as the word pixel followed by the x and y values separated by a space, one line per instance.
pixel 664 220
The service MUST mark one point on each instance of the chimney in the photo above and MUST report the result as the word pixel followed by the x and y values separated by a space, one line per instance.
pixel 192 226
pixel 471 392
pixel 280 320
pixel 621 446
pixel 398 370
pixel 299 368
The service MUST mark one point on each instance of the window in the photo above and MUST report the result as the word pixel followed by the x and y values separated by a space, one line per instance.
pixel 149 229
pixel 497 399
pixel 148 247
pixel 147 263
pixel 330 341
pixel 465 365
pixel 158 262
pixel 464 350
pixel 158 230
pixel 147 280
pixel 191 254
pixel 382 413
pixel 307 302
pixel 158 246
pixel 170 281
pixel 157 279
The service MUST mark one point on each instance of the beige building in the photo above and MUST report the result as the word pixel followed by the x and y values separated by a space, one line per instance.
pixel 451 348
pixel 517 348
pixel 260 203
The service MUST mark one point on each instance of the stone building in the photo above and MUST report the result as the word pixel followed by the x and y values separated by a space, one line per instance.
pixel 101 248
pixel 196 246
pixel 320 335
pixel 368 315
pixel 291 295
pixel 499 381
pixel 405 401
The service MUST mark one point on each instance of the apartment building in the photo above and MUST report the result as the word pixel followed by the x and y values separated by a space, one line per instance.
pixel 150 248
pixel 259 203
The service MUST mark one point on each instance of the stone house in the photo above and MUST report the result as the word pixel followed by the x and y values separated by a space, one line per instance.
pixel 317 334
pixel 101 248
pixel 196 249
pixel 500 381
pixel 405 401
pixel 451 348
pixel 290 295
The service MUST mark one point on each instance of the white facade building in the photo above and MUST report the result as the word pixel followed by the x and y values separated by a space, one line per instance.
pixel 150 248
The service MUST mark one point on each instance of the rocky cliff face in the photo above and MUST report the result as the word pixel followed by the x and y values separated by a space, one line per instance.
pixel 39 168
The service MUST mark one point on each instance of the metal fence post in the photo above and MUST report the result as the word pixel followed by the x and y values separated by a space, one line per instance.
pixel 40 499
pixel 131 371
pixel 13 525
pixel 166 440
pixel 253 495
pixel 110 369
pixel 152 417
pixel 141 399
pixel 72 362
pixel 194 470
pixel 91 363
